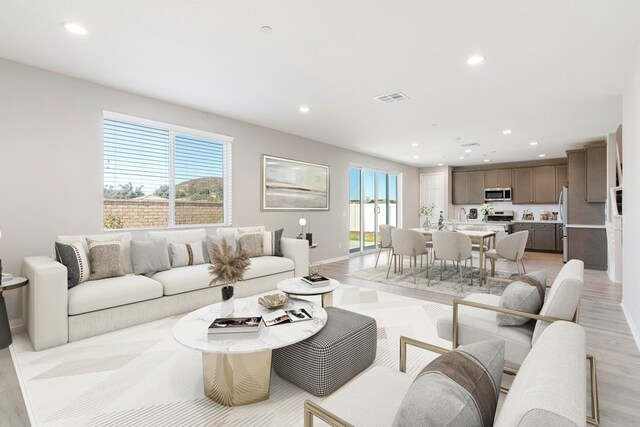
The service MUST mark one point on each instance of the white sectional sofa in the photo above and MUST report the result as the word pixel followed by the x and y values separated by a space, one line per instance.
pixel 55 315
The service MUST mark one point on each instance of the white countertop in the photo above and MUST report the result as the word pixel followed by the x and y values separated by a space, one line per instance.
pixel 538 221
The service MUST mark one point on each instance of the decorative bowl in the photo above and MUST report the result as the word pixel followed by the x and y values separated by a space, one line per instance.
pixel 273 300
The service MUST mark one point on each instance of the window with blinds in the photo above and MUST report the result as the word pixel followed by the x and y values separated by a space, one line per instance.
pixel 158 175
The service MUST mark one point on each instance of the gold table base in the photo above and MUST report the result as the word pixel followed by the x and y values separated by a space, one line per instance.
pixel 237 379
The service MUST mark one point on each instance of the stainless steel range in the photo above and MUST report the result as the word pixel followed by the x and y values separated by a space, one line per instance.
pixel 497 216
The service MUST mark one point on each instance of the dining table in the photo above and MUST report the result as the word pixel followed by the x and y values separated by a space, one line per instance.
pixel 477 237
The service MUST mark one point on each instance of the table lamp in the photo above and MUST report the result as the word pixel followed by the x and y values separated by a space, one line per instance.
pixel 302 221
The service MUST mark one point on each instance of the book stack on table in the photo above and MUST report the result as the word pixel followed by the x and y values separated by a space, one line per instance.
pixel 315 281
pixel 236 325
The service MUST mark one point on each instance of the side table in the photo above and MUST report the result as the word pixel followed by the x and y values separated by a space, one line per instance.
pixel 5 331
pixel 295 286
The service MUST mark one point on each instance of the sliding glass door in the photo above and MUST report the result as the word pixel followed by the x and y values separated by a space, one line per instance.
pixel 373 200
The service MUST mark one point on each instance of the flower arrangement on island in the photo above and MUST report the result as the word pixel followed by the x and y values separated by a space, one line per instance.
pixel 427 211
pixel 486 209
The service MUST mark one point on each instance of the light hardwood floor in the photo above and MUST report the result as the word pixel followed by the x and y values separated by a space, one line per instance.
pixel 608 339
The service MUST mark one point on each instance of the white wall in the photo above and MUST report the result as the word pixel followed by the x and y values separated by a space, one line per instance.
pixel 631 197
pixel 51 165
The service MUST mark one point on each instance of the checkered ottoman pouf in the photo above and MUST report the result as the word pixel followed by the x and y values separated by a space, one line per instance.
pixel 324 362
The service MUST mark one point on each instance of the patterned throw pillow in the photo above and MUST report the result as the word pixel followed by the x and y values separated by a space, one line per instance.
pixel 74 257
pixel 459 388
pixel 104 258
pixel 183 254
pixel 271 242
pixel 525 293
pixel 251 243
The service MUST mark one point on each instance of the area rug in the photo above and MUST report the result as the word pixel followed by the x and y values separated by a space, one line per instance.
pixel 450 283
pixel 142 376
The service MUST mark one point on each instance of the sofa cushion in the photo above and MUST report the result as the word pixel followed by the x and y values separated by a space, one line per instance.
pixel 185 279
pixel 525 293
pixel 104 258
pixel 549 389
pixel 237 231
pixel 182 236
pixel 112 292
pixel 184 254
pixel 150 256
pixel 76 260
pixel 476 325
pixel 564 296
pixel 125 249
pixel 459 388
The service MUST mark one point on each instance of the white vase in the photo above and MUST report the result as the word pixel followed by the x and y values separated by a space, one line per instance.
pixel 226 307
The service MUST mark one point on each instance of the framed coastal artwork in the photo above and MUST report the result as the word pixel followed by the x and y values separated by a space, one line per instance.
pixel 294 185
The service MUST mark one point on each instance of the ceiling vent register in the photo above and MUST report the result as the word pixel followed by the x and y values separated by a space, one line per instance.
pixel 391 98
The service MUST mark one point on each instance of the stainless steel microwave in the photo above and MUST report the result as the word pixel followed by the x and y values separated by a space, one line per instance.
pixel 497 194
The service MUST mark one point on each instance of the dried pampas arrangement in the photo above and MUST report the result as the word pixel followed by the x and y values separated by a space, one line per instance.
pixel 228 265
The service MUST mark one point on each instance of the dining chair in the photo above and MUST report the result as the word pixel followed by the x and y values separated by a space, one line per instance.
pixel 511 247
pixel 450 246
pixel 476 246
pixel 407 242
pixel 385 240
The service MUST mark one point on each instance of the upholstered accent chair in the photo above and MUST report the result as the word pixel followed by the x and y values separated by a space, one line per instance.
pixel 450 246
pixel 474 317
pixel 411 243
pixel 385 240
pixel 510 247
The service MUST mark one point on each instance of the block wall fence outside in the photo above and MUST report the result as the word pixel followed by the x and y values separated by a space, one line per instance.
pixel 132 213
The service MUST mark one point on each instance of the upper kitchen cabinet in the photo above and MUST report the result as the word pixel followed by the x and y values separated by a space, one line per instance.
pixel 544 184
pixel 534 185
pixel 596 179
pixel 497 178
pixel 522 188
pixel 561 179
pixel 467 187
pixel 580 211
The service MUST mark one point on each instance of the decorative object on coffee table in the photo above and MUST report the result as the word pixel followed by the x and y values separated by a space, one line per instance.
pixel 273 300
pixel 228 266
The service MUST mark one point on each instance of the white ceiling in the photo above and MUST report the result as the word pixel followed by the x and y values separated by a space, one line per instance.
pixel 554 70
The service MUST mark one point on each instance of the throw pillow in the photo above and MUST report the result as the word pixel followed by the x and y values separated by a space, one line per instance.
pixel 525 293
pixel 459 388
pixel 74 257
pixel 217 240
pixel 183 254
pixel 104 258
pixel 271 242
pixel 150 256
pixel 251 243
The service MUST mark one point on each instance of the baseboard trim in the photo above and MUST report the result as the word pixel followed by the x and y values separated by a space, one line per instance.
pixel 634 331
pixel 327 261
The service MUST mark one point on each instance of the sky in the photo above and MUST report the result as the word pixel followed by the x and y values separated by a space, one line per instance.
pixel 369 184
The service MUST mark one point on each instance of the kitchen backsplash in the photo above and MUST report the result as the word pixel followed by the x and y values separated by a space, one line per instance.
pixel 518 210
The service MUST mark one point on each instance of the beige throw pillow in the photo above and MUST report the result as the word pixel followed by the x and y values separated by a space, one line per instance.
pixel 251 243
pixel 104 259
pixel 183 254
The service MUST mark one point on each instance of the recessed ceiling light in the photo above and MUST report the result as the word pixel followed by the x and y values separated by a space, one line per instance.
pixel 458 139
pixel 533 143
pixel 461 157
pixel 506 132
pixel 415 144
pixel 542 155
pixel 265 29
pixel 487 160
pixel 468 150
pixel 415 157
pixel 440 164
pixel 434 124
pixel 76 29
pixel 304 109
pixel 475 59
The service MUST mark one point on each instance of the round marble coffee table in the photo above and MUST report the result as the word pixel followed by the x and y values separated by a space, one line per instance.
pixel 296 286
pixel 237 368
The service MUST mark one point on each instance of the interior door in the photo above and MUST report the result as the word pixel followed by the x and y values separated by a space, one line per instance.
pixel 432 191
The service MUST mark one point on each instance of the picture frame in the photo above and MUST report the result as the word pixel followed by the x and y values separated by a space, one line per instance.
pixel 294 185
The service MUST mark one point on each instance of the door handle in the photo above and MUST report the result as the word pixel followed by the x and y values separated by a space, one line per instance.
pixel 378 211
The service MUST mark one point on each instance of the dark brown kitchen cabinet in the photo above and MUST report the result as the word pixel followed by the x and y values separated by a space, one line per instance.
pixel 561 179
pixel 522 189
pixel 588 245
pixel 544 184
pixel 467 188
pixel 580 211
pixel 544 237
pixel 497 178
pixel 519 226
pixel 476 187
pixel 596 165
pixel 460 188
